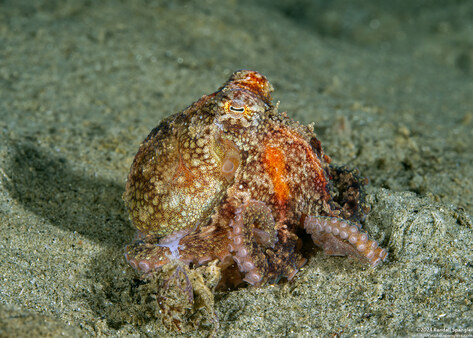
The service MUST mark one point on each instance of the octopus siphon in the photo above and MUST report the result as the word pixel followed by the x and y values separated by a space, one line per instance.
pixel 231 179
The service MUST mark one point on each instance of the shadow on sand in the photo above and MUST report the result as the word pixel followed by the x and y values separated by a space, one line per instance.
pixel 46 185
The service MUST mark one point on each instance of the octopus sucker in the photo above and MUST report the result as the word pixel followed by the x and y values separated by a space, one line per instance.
pixel 338 237
pixel 231 182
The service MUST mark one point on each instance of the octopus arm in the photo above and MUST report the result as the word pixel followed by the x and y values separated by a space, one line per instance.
pixel 146 257
pixel 198 247
pixel 253 231
pixel 339 237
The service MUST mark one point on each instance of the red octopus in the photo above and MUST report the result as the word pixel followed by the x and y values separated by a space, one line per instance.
pixel 232 179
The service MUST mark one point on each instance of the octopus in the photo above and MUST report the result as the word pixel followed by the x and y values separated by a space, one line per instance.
pixel 232 180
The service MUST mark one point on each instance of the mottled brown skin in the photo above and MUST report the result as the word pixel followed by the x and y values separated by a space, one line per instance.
pixel 230 178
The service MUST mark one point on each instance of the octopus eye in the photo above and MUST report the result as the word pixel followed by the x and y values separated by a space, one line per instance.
pixel 237 109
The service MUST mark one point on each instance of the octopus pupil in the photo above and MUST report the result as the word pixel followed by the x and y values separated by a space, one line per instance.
pixel 237 110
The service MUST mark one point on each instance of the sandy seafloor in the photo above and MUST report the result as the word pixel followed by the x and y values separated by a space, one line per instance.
pixel 389 88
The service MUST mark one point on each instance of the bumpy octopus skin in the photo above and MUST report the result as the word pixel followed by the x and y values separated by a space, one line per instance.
pixel 230 178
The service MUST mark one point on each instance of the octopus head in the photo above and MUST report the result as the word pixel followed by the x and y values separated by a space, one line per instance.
pixel 243 102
